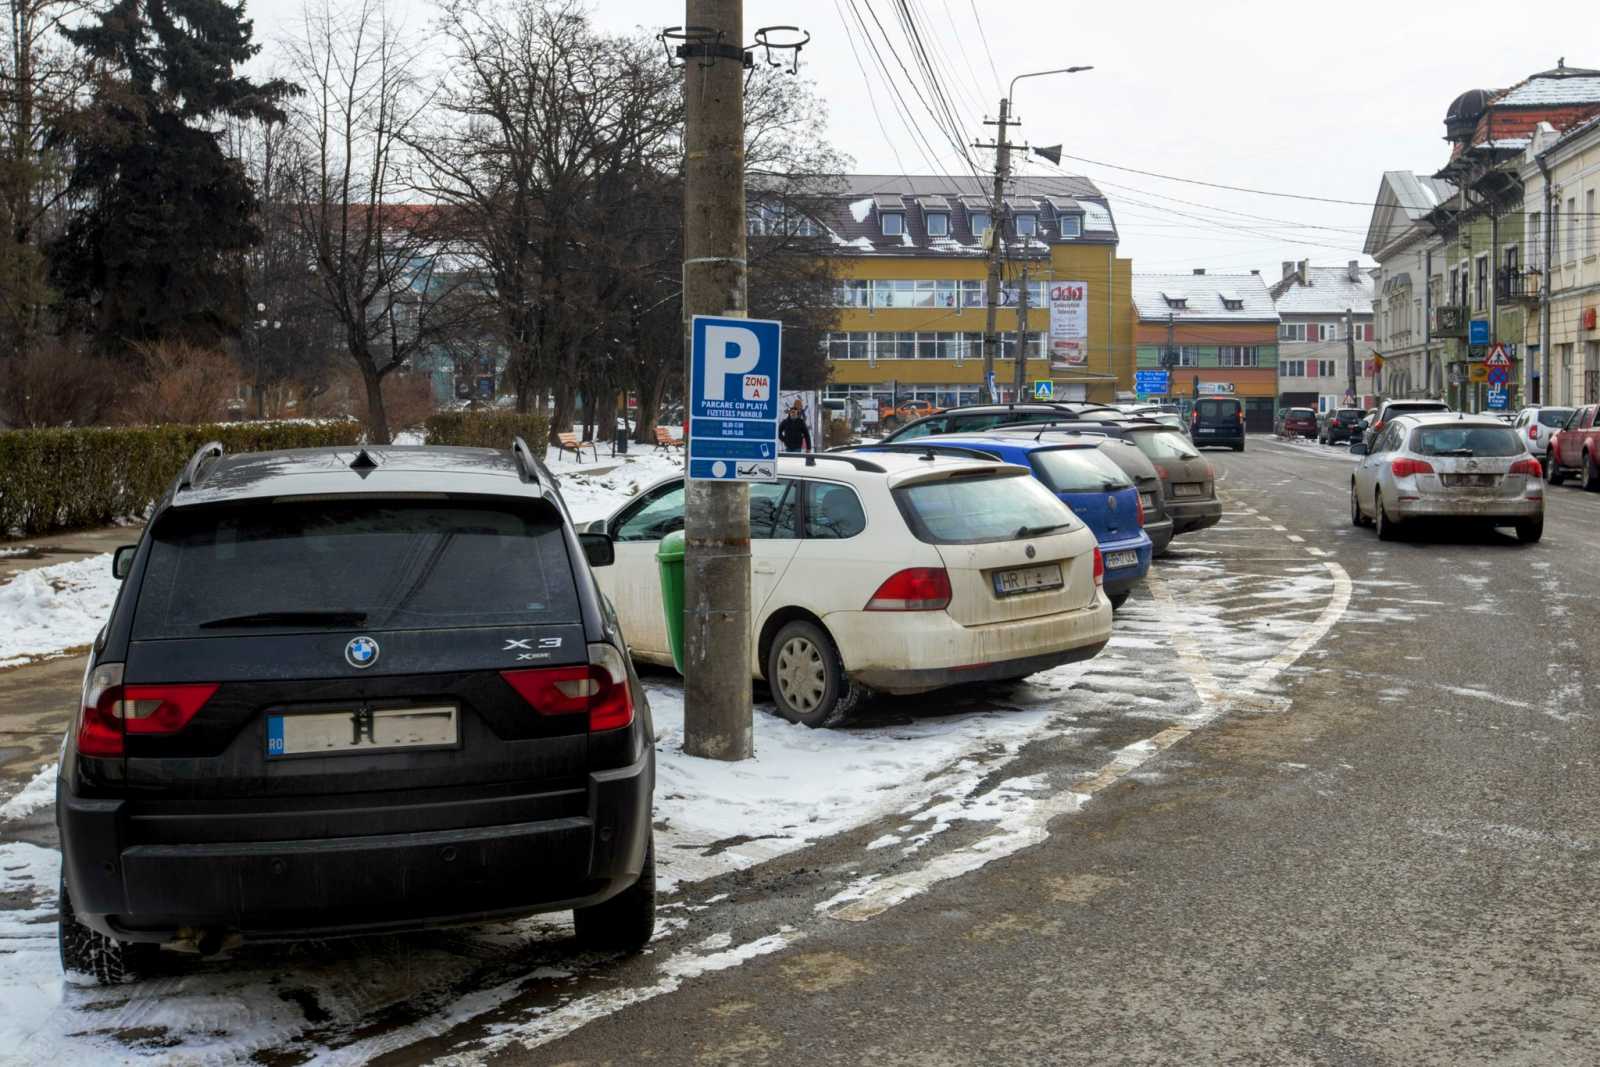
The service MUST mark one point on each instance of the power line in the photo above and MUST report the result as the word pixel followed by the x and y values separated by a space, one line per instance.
pixel 984 37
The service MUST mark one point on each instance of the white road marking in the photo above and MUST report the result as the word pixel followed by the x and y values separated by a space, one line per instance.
pixel 1297 539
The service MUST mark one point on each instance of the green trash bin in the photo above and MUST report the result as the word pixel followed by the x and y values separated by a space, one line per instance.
pixel 669 557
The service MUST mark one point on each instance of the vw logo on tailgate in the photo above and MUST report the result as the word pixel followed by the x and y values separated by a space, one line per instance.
pixel 361 652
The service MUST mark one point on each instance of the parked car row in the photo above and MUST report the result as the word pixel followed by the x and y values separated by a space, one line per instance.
pixel 1574 448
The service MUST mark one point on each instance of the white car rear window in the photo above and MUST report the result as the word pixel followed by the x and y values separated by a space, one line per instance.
pixel 977 509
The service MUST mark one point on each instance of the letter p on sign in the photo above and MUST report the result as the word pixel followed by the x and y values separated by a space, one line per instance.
pixel 729 350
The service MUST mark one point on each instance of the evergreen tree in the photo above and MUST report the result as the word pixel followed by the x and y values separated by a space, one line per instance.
pixel 161 210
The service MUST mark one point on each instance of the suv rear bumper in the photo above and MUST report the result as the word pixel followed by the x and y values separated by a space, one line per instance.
pixel 1191 515
pixel 269 890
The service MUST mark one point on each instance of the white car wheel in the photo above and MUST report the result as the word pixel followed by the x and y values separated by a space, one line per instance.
pixel 807 678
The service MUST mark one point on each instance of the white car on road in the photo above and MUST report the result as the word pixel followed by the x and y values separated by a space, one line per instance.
pixel 1463 467
pixel 891 572
pixel 1538 425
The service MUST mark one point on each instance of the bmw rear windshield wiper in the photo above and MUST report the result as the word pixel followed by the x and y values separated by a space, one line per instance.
pixel 288 618
pixel 1035 531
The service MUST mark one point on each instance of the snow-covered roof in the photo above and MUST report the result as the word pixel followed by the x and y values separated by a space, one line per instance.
pixel 1544 92
pixel 1203 297
pixel 1328 291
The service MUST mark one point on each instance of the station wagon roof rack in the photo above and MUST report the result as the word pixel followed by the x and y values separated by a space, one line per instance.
pixel 529 469
pixel 191 469
pixel 855 461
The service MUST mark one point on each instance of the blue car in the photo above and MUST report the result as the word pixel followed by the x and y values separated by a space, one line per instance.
pixel 1088 482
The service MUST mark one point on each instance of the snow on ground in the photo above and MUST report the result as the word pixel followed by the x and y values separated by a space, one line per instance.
pixel 40 792
pixel 595 496
pixel 52 609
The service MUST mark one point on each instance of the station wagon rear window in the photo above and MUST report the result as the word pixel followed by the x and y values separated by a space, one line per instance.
pixel 1466 441
pixel 977 509
pixel 1164 445
pixel 1079 470
pixel 353 564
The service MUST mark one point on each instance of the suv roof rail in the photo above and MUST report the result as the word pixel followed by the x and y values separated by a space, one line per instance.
pixel 191 469
pixel 928 449
pixel 838 457
pixel 530 469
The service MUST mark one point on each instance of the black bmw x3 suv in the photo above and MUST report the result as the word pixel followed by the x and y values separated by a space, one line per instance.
pixel 348 691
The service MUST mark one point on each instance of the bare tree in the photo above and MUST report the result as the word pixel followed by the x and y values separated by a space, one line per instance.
pixel 385 263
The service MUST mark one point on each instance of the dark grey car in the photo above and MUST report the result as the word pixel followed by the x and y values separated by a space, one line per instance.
pixel 1127 455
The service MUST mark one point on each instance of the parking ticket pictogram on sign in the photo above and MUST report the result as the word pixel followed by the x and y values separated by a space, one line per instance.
pixel 733 398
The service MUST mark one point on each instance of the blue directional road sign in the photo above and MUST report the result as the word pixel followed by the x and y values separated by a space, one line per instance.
pixel 1044 390
pixel 1478 332
pixel 733 399
pixel 1150 382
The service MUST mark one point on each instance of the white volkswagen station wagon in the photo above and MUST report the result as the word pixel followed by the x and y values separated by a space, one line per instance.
pixel 893 572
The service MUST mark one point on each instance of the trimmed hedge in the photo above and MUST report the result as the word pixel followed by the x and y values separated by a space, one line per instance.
pixel 69 479
pixel 488 429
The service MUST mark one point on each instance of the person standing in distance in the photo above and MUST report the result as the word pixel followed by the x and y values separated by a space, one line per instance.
pixel 794 432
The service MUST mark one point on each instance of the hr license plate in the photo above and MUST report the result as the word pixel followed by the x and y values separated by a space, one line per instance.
pixel 1149 499
pixel 1207 429
pixel 360 730
pixel 1027 580
pixel 1188 489
pixel 1115 560
pixel 1473 481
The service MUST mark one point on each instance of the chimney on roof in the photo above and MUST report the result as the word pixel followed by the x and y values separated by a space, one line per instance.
pixel 1305 272
pixel 1199 270
pixel 1355 270
pixel 1288 267
pixel 1255 272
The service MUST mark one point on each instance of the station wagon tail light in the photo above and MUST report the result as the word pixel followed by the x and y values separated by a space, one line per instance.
pixel 1099 567
pixel 1405 468
pixel 913 589
pixel 1161 472
pixel 1138 507
pixel 1529 466
pixel 1533 431
pixel 111 710
pixel 598 689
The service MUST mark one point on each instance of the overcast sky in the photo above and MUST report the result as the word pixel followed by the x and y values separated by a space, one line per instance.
pixel 1315 99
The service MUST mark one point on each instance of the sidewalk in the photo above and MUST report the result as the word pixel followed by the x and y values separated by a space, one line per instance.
pixel 30 553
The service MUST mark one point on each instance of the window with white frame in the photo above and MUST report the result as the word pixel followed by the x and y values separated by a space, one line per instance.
pixel 972 293
pixel 852 293
pixel 1572 227
pixel 980 222
pixel 1555 233
pixel 1238 356
pixel 1481 294
pixel 1188 355
pixel 1535 239
pixel 1070 225
pixel 1589 225
pixel 893 223
pixel 1291 331
pixel 1326 368
pixel 1027 224
pixel 1329 331
pixel 1292 368
pixel 938 224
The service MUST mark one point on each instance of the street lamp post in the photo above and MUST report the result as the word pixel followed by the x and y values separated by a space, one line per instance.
pixel 997 215
pixel 260 325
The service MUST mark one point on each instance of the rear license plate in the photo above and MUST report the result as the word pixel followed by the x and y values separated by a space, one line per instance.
pixel 1470 481
pixel 1149 500
pixel 375 730
pixel 1027 580
pixel 1188 489
pixel 1207 429
pixel 1115 560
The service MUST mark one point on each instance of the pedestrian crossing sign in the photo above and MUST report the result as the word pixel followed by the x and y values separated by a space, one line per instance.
pixel 1045 390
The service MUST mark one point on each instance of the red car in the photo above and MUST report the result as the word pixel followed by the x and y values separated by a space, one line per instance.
pixel 1298 422
pixel 1576 449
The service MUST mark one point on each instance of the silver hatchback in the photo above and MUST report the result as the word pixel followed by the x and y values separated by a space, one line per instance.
pixel 1464 467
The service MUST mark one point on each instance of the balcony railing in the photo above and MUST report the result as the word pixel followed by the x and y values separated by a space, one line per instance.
pixel 1516 284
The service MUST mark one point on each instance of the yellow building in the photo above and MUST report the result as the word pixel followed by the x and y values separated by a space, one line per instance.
pixel 912 260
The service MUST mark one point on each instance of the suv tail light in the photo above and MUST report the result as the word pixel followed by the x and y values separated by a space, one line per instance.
pixel 1533 431
pixel 1138 508
pixel 913 589
pixel 1530 466
pixel 598 689
pixel 1099 567
pixel 1377 424
pixel 1405 468
pixel 110 710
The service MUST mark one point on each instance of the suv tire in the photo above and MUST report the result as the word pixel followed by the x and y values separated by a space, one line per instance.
pixel 1552 470
pixel 1239 447
pixel 1530 530
pixel 807 677
pixel 1118 599
pixel 1591 473
pixel 626 922
pixel 86 951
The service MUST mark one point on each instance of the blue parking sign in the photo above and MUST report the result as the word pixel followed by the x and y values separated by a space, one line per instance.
pixel 734 369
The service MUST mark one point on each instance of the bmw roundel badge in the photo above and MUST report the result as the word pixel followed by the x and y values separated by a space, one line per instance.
pixel 361 652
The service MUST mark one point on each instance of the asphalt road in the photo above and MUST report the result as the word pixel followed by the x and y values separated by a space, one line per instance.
pixel 1392 862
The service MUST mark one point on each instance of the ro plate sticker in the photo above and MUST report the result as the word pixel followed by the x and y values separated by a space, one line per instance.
pixel 274 735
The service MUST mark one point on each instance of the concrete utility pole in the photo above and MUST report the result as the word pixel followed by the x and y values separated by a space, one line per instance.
pixel 716 654
pixel 1350 351
pixel 997 215
pixel 1020 377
